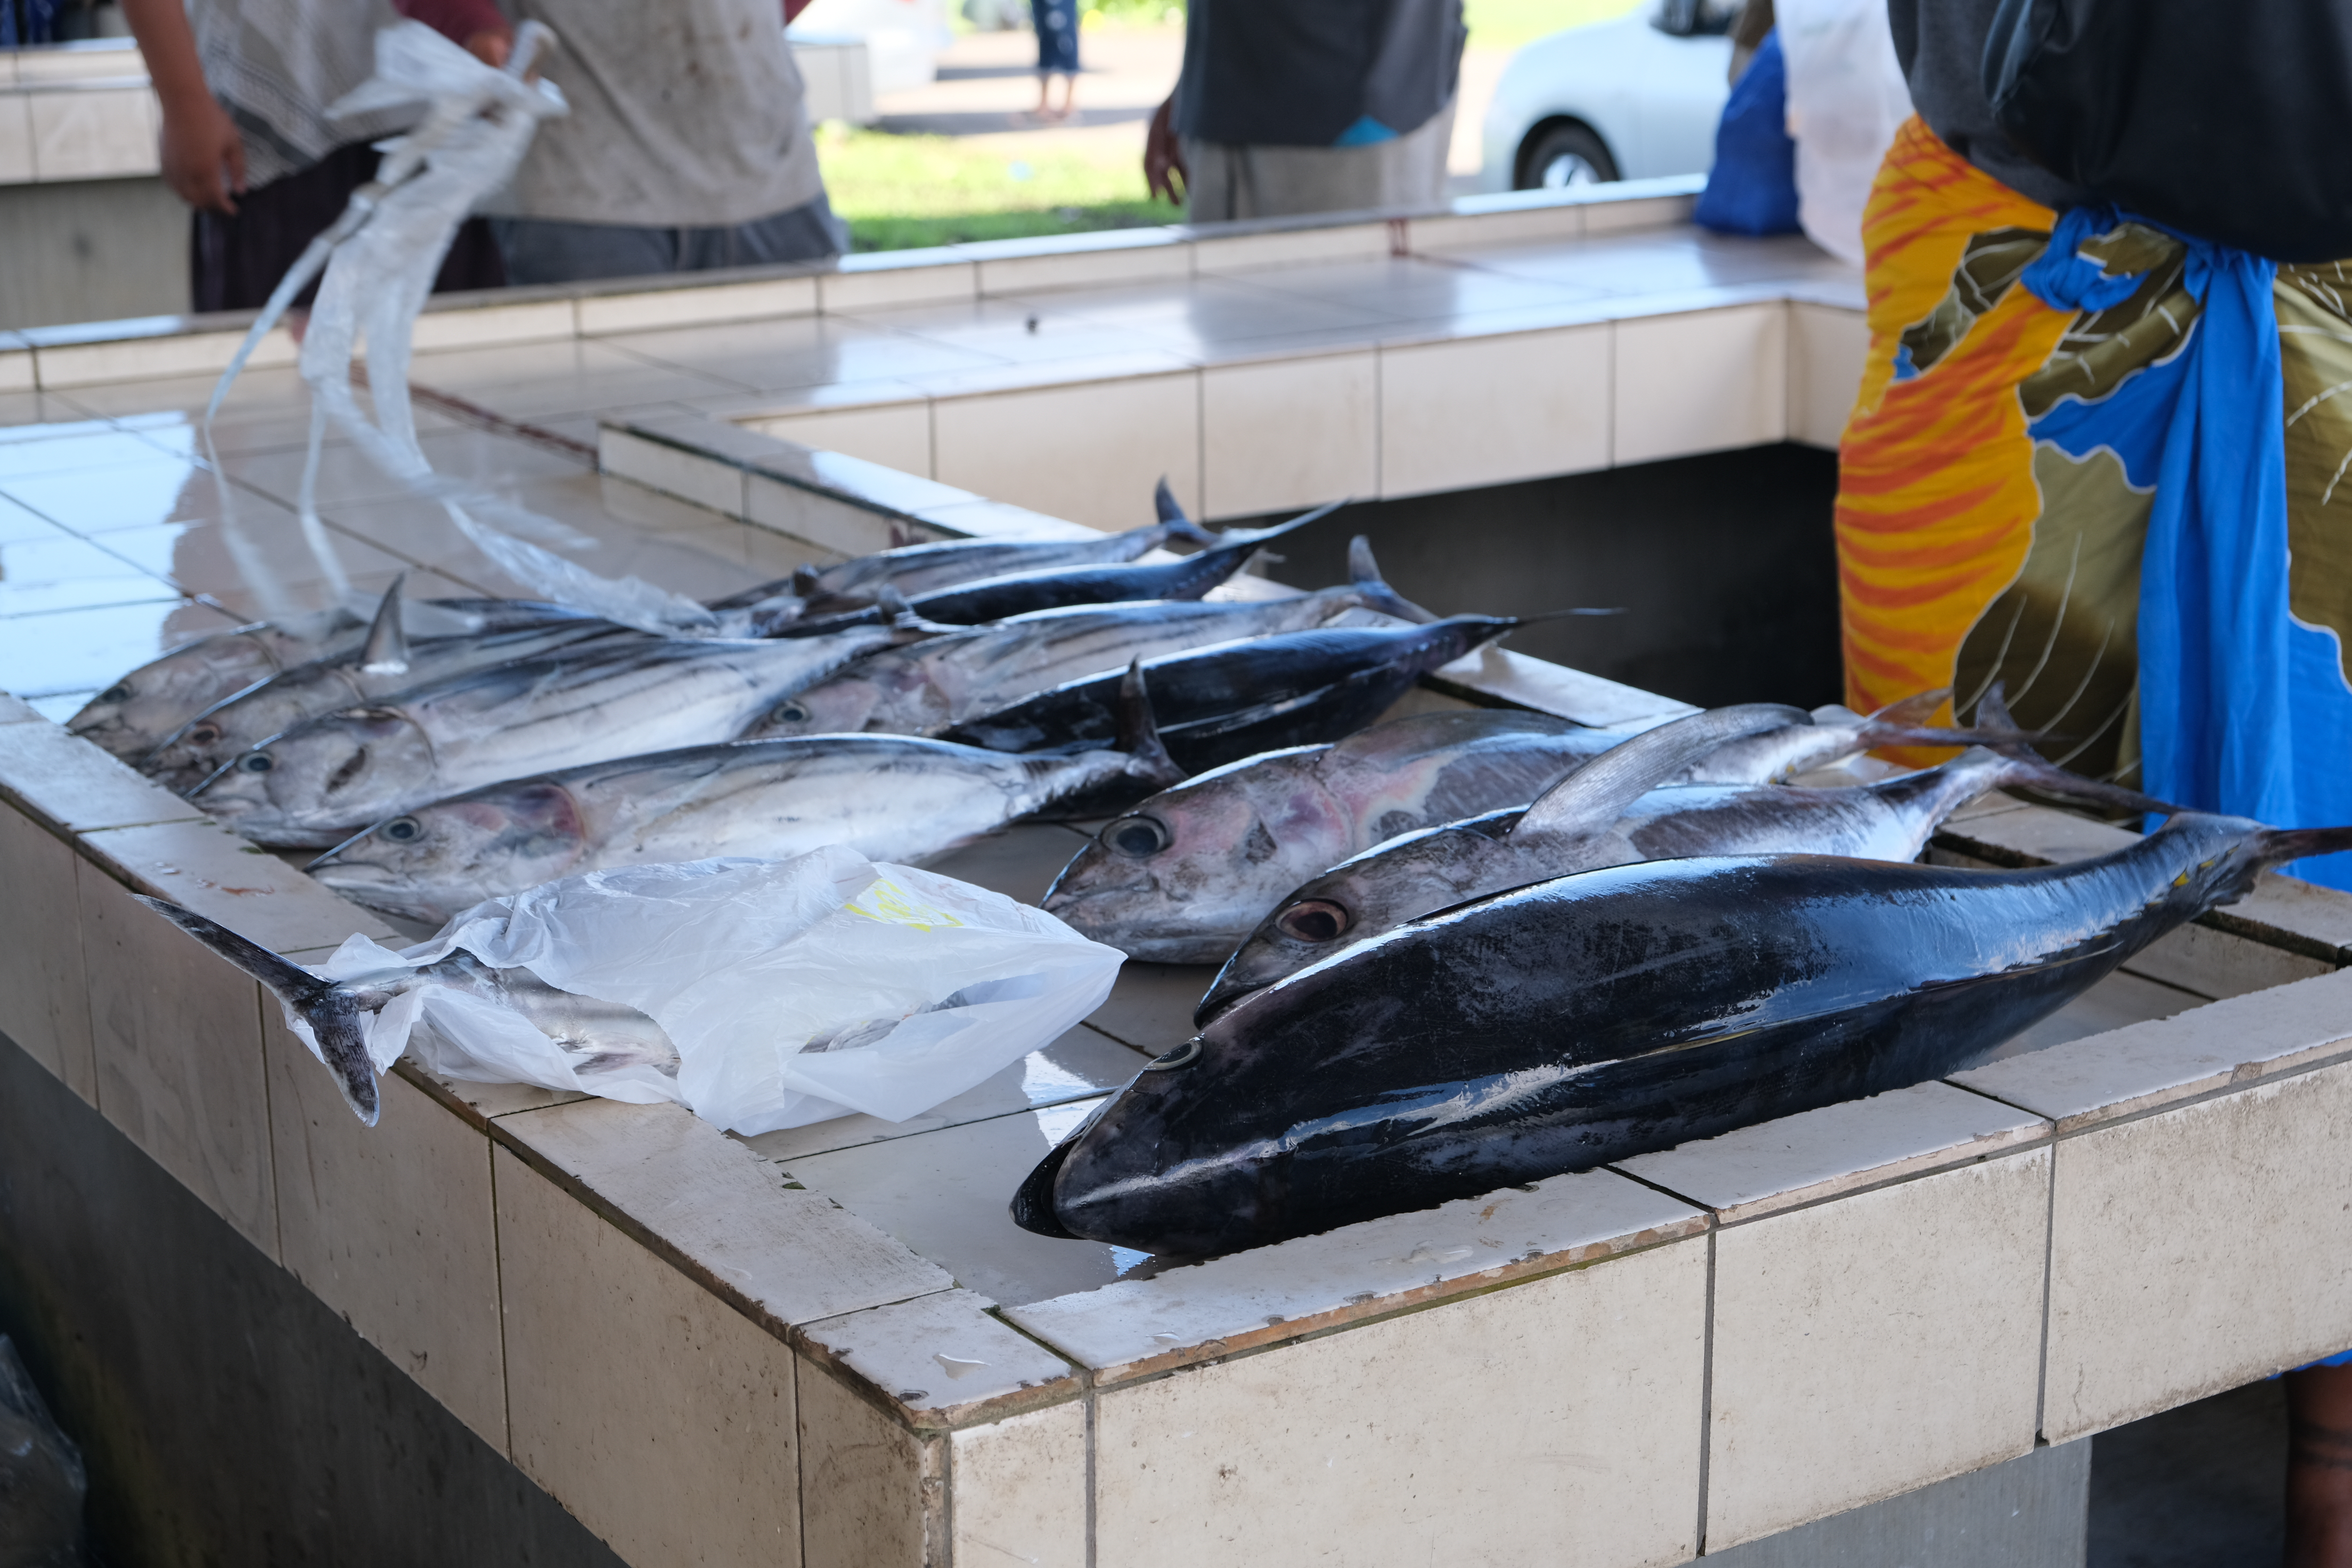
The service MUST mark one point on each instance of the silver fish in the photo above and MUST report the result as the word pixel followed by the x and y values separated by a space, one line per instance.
pixel 1591 820
pixel 327 777
pixel 890 797
pixel 926 688
pixel 598 1035
pixel 1187 874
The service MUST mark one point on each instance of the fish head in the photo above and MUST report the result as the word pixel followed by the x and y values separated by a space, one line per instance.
pixel 201 746
pixel 430 863
pixel 1185 875
pixel 1408 877
pixel 837 706
pixel 130 717
pixel 316 781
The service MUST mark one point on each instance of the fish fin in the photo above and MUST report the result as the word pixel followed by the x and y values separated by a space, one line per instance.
pixel 2024 769
pixel 332 1012
pixel 1170 512
pixel 385 652
pixel 1364 574
pixel 807 581
pixel 1234 536
pixel 1139 732
pixel 1992 713
pixel 1597 793
pixel 1914 709
pixel 2276 846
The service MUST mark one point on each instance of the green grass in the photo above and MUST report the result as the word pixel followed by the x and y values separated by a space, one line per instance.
pixel 902 192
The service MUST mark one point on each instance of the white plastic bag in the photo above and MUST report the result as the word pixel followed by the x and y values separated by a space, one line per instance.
pixel 794 990
pixel 1846 99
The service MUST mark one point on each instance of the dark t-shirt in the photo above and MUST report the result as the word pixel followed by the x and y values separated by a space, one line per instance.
pixel 1941 47
pixel 1316 73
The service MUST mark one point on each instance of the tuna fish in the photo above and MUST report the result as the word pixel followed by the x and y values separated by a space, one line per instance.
pixel 327 777
pixel 1584 823
pixel 914 569
pixel 1606 1014
pixel 923 688
pixel 1218 705
pixel 1186 876
pixel 891 797
pixel 598 1035
pixel 387 663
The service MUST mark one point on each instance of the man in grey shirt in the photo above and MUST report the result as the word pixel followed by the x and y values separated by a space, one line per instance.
pixel 687 148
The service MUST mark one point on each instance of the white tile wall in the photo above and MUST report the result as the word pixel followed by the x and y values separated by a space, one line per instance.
pixel 1020 1490
pixel 602 313
pixel 43 989
pixel 672 471
pixel 872 1492
pixel 1288 433
pixel 1704 382
pixel 92 133
pixel 896 435
pixel 891 281
pixel 16 167
pixel 1827 348
pixel 1089 453
pixel 1485 411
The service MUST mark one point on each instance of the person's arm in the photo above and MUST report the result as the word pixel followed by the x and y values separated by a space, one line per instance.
pixel 204 157
pixel 1164 174
pixel 478 24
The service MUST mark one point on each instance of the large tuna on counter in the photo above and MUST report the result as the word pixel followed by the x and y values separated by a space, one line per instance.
pixel 1605 1014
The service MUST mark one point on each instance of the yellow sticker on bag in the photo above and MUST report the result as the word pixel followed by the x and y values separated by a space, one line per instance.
pixel 884 901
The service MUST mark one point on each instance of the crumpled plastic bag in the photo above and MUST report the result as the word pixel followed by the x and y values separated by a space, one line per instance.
pixel 794 990
pixel 1846 99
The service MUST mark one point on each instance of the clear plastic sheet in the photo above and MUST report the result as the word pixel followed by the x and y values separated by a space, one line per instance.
pixel 793 990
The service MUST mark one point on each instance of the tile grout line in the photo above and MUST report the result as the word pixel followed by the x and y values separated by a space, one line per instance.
pixel 1093 1508
pixel 498 1279
pixel 270 1126
pixel 1706 1393
pixel 2049 1261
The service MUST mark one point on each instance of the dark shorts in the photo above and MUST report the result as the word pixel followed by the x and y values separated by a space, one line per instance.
pixel 1057 36
pixel 542 250
pixel 235 262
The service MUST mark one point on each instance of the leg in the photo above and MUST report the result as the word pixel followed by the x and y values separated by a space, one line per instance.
pixel 2319 1467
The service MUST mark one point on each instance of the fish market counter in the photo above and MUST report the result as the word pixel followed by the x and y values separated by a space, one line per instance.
pixel 830 1345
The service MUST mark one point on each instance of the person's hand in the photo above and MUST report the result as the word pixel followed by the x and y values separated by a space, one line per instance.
pixel 1164 173
pixel 204 157
pixel 491 46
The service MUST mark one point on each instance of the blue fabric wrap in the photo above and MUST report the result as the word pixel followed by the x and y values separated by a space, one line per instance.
pixel 1752 188
pixel 2242 710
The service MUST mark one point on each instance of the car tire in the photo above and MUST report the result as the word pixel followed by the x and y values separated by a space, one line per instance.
pixel 1564 153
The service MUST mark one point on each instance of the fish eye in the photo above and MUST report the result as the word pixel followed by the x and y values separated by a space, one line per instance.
pixel 1183 1056
pixel 115 694
pixel 259 763
pixel 1137 837
pixel 401 829
pixel 1314 920
pixel 203 734
pixel 788 713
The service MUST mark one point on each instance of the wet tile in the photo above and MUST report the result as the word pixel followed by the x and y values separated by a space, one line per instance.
pixel 2121 999
pixel 1868 1346
pixel 492 321
pixel 497 463
pixel 2199 1249
pixel 534 381
pixel 2145 1066
pixel 41 576
pixel 1701 383
pixel 1443 427
pixel 79 356
pixel 1536 222
pixel 74 785
pixel 1217 248
pixel 84 650
pixel 245 888
pixel 105 452
pixel 392 1227
pixel 137 496
pixel 696 305
pixel 1080 1065
pixel 1289 434
pixel 673 467
pixel 176 1037
pixel 871 1490
pixel 941 1359
pixel 1020 861
pixel 905 278
pixel 659 1416
pixel 1408 288
pixel 1206 311
pixel 1839 1149
pixel 1113 441
pixel 1154 1322
pixel 43 987
pixel 1479 1431
pixel 1019 1489
pixel 724 1215
pixel 1140 256
pixel 805 352
pixel 945 1194
pixel 1150 1005
pixel 896 435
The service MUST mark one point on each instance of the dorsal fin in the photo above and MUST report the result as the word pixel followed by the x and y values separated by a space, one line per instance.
pixel 1914 709
pixel 1139 732
pixel 1597 793
pixel 1364 574
pixel 385 652
pixel 807 581
pixel 1170 513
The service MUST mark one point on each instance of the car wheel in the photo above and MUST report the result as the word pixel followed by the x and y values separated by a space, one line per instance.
pixel 1562 155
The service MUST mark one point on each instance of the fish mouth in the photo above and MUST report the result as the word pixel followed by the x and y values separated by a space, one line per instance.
pixel 1033 1202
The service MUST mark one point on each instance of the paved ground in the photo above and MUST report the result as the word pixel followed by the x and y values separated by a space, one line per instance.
pixel 988 81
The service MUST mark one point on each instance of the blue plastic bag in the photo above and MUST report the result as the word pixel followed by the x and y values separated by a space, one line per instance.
pixel 1753 187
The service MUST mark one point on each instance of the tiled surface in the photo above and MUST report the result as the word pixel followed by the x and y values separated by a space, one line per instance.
pixel 662 1417
pixel 1108 442
pixel 93 132
pixel 73 784
pixel 1020 1490
pixel 872 1492
pixel 1481 1431
pixel 43 987
pixel 1288 433
pixel 2197 1249
pixel 1701 383
pixel 1865 1347
pixel 1442 426
pixel 392 1227
pixel 210 871
pixel 942 1359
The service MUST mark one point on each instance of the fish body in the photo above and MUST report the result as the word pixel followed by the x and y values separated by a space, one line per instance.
pixel 1185 876
pixel 1217 705
pixel 344 680
pixel 330 775
pixel 1597 1017
pixel 1418 874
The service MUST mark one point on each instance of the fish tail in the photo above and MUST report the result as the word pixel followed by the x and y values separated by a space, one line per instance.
pixel 1364 574
pixel 2277 846
pixel 331 1011
pixel 1919 708
pixel 2025 769
pixel 1138 732
pixel 1170 513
